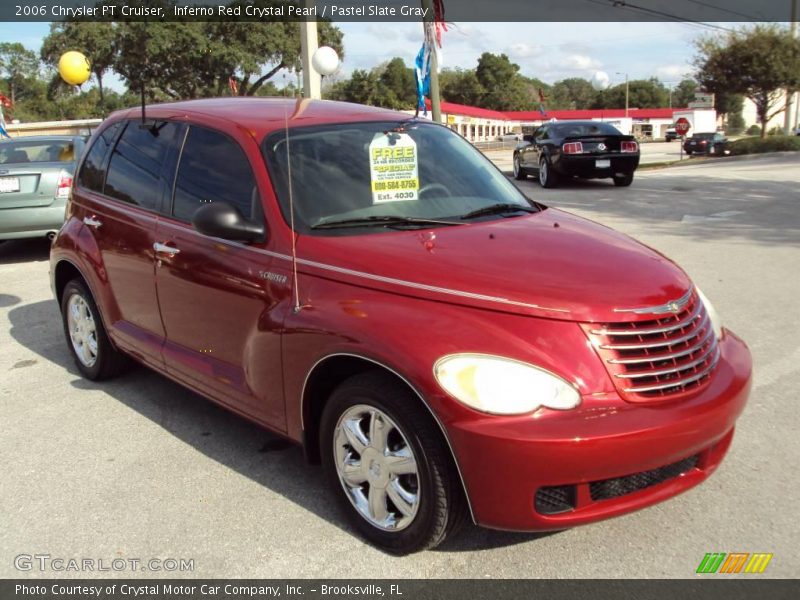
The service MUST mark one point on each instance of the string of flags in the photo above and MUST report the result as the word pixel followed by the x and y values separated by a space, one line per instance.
pixel 432 43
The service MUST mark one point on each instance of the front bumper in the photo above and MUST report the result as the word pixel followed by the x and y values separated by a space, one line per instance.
pixel 505 461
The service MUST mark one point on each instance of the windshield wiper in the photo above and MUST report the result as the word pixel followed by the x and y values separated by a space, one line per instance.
pixel 496 209
pixel 380 221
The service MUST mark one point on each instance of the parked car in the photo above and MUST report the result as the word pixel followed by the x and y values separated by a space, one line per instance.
pixel 671 134
pixel 370 286
pixel 510 137
pixel 586 149
pixel 707 143
pixel 35 180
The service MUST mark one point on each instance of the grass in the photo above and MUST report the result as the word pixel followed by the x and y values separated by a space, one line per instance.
pixel 756 145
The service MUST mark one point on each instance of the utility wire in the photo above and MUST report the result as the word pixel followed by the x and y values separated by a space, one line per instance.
pixel 727 10
pixel 650 11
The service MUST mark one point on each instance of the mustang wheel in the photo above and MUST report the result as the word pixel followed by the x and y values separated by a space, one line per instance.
pixel 94 355
pixel 547 177
pixel 389 465
pixel 519 172
pixel 623 180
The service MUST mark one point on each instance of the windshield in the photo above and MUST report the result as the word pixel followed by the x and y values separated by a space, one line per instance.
pixel 363 173
pixel 36 152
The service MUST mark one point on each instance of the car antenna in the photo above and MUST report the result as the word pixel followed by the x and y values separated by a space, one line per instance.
pixel 296 287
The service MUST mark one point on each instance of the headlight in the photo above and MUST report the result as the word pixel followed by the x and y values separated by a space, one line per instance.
pixel 716 322
pixel 502 386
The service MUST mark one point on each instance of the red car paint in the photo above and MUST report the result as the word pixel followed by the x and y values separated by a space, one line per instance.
pixel 219 318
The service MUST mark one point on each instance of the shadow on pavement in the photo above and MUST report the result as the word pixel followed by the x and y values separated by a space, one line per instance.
pixel 19 251
pixel 217 433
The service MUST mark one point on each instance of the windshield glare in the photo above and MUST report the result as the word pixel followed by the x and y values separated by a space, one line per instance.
pixel 363 170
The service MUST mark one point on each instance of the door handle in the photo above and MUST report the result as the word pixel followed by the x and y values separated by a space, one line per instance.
pixel 164 249
pixel 92 222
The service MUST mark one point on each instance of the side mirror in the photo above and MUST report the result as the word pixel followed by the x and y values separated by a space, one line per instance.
pixel 527 138
pixel 220 219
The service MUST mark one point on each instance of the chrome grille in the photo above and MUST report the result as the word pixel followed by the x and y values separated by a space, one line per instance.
pixel 668 355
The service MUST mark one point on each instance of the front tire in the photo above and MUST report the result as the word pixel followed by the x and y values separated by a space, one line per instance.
pixel 547 176
pixel 389 466
pixel 87 340
pixel 519 172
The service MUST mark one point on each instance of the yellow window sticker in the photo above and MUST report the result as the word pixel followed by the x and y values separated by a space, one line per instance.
pixel 394 172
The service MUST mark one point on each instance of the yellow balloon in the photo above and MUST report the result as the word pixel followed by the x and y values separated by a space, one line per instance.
pixel 74 67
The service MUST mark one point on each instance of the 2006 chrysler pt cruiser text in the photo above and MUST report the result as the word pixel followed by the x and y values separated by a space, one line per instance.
pixel 369 285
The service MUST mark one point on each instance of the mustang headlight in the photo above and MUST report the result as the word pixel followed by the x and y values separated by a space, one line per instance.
pixel 716 322
pixel 502 386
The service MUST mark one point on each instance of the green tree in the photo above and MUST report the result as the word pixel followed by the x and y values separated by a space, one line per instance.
pixel 759 63
pixel 683 93
pixel 397 85
pixel 197 59
pixel 17 64
pixel 461 86
pixel 643 93
pixel 504 87
pixel 94 39
pixel 572 93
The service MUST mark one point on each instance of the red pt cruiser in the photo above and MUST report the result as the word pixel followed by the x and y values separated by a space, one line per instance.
pixel 369 285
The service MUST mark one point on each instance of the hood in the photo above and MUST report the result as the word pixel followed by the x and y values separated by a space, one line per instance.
pixel 549 264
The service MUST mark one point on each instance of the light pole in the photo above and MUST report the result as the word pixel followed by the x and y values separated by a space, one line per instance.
pixel 789 121
pixel 627 92
pixel 436 108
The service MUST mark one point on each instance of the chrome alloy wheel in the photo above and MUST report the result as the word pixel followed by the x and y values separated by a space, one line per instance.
pixel 376 467
pixel 543 172
pixel 82 330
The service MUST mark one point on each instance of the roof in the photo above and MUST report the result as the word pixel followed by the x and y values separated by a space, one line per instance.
pixel 261 115
pixel 605 113
pixel 470 111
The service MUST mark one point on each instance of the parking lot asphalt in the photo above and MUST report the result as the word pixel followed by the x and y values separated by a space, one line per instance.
pixel 140 468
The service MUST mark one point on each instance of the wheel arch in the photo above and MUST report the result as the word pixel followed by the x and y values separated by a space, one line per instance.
pixel 331 370
pixel 65 271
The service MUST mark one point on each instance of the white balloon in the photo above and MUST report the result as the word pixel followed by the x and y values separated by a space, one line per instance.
pixel 601 81
pixel 325 60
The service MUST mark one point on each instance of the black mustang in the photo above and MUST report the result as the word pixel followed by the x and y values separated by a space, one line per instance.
pixel 586 149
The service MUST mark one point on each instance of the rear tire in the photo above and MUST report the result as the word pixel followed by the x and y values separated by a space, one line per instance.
pixel 520 173
pixel 623 181
pixel 87 340
pixel 547 176
pixel 403 505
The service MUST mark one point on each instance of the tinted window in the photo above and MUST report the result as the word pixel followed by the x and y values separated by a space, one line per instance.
pixel 134 173
pixel 584 129
pixel 92 174
pixel 213 168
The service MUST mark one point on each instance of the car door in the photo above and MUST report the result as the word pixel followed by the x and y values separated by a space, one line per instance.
pixel 539 140
pixel 528 157
pixel 222 302
pixel 120 187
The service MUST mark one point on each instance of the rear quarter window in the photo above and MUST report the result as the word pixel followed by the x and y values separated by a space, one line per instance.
pixel 92 174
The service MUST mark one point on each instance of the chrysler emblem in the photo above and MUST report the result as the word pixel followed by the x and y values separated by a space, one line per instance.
pixel 601 147
pixel 673 306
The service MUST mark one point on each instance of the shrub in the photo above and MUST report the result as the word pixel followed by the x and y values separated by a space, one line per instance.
pixel 754 145
pixel 775 131
pixel 753 130
pixel 735 124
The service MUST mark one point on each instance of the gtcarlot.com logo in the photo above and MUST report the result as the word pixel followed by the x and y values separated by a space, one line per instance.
pixel 735 562
pixel 46 562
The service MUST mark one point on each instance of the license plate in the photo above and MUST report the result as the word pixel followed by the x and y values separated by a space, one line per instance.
pixel 9 184
pixel 603 164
